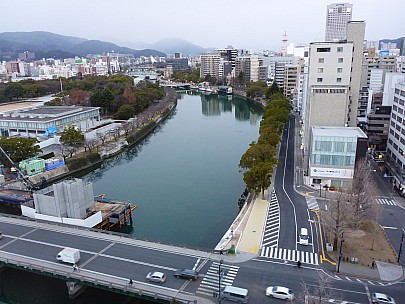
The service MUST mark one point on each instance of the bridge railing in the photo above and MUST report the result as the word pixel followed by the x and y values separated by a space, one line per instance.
pixel 95 279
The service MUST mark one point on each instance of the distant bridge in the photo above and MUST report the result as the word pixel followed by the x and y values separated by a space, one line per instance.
pixel 176 85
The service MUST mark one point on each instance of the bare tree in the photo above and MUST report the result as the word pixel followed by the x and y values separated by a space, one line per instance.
pixel 337 217
pixel 102 136
pixel 361 195
pixel 90 144
pixel 67 150
pixel 127 128
pixel 320 294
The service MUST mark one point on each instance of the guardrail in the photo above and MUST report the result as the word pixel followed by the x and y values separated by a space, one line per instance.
pixel 95 279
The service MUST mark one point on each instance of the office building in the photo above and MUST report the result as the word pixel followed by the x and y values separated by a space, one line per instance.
pixel 337 17
pixel 333 155
pixel 395 157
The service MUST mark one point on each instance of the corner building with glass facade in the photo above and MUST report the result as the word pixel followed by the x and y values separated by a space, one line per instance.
pixel 334 152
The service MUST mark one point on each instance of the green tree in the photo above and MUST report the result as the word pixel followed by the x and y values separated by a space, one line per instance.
pixel 54 102
pixel 273 89
pixel 71 136
pixel 14 90
pixel 125 112
pixel 18 149
pixel 258 178
pixel 102 98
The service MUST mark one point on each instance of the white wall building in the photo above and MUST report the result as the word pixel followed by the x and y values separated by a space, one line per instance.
pixel 396 139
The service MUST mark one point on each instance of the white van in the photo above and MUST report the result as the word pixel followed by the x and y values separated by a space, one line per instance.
pixel 235 294
pixel 304 238
pixel 69 255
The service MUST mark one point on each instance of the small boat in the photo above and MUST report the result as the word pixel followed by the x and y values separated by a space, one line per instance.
pixel 225 90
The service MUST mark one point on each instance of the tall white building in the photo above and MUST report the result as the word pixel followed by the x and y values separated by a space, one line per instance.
pixel 333 83
pixel 396 139
pixel 337 17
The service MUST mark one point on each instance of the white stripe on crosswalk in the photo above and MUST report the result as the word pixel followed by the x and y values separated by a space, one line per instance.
pixel 385 201
pixel 289 255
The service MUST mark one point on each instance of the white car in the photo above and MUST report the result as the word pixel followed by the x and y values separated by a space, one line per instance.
pixel 381 298
pixel 279 292
pixel 157 277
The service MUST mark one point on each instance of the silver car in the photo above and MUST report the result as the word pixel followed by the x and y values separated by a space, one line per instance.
pixel 156 277
pixel 381 298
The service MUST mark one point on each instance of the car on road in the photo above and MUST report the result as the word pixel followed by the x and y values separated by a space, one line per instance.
pixel 280 292
pixel 156 277
pixel 188 274
pixel 381 298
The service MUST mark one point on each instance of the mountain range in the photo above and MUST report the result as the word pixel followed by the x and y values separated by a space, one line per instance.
pixel 46 44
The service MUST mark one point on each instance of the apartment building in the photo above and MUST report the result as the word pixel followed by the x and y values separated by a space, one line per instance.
pixel 337 17
pixel 210 65
pixel 395 160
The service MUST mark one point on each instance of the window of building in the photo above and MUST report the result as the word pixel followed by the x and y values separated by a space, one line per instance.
pixel 320 70
pixel 351 147
pixel 321 60
pixel 396 135
pixel 395 107
pixel 339 49
pixel 319 80
pixel 401 102
pixel 392 132
pixel 339 70
pixel 338 79
pixel 393 115
pixel 323 50
pixel 340 60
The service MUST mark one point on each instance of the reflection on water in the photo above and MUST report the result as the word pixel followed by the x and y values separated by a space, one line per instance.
pixel 185 175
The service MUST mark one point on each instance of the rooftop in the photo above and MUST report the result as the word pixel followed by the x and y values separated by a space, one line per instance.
pixel 338 132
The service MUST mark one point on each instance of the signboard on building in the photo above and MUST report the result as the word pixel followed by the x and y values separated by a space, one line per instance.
pixel 331 172
pixel 384 52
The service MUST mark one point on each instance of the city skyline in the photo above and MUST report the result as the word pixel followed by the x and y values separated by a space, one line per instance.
pixel 257 26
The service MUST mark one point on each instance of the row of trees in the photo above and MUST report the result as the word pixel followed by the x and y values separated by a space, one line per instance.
pixel 258 161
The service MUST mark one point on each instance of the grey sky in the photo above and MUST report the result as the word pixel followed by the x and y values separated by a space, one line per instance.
pixel 248 24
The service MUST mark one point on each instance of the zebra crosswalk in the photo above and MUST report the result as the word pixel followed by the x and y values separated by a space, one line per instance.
pixel 312 203
pixel 209 283
pixel 290 255
pixel 272 227
pixel 386 201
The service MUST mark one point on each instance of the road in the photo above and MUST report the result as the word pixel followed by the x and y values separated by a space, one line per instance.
pixel 113 257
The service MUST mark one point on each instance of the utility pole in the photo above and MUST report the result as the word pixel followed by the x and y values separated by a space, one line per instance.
pixel 400 246
pixel 340 253
pixel 219 281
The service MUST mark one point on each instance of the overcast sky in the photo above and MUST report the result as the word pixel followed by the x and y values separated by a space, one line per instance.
pixel 249 24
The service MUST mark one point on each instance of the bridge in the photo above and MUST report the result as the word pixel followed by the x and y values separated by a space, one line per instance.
pixel 108 260
pixel 176 85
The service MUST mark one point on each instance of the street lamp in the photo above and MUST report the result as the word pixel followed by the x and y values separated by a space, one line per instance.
pixel 219 281
pixel 340 253
pixel 320 189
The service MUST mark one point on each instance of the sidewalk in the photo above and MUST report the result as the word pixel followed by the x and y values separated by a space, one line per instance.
pixel 383 272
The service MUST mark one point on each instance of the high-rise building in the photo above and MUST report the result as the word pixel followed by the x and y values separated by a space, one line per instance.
pixel 337 17
pixel 210 65
pixel 333 83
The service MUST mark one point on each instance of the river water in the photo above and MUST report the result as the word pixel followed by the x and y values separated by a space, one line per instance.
pixel 184 178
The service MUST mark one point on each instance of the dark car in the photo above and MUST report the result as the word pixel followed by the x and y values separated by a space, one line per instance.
pixel 188 274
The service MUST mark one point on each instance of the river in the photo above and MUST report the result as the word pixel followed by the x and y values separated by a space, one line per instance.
pixel 184 178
